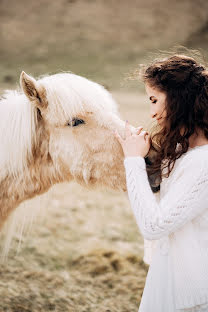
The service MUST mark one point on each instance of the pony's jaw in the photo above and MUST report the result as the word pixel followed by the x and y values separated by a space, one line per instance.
pixel 92 157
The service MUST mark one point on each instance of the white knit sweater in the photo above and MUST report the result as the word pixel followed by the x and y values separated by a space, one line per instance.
pixel 178 221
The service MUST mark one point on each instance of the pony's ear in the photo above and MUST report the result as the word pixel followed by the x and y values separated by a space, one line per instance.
pixel 33 90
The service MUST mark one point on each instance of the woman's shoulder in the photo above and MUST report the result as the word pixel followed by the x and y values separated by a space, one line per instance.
pixel 190 169
pixel 197 154
pixel 193 160
pixel 196 157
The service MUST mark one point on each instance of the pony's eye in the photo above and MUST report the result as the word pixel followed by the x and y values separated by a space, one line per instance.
pixel 75 122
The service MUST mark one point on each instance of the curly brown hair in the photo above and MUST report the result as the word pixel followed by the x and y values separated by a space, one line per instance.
pixel 185 82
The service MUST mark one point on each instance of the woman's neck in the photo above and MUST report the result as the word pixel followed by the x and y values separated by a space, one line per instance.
pixel 197 139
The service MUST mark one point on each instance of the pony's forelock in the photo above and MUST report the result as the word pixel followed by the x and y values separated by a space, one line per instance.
pixel 72 95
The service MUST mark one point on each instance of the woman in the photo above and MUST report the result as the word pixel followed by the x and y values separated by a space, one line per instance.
pixel 175 227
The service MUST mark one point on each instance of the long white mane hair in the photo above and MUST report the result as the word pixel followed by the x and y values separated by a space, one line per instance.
pixel 17 130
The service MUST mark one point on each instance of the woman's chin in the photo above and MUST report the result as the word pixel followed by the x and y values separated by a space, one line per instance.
pixel 160 122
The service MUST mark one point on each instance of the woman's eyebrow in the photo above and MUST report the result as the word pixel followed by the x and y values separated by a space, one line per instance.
pixel 151 97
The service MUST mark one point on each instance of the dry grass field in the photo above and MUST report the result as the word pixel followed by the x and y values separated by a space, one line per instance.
pixel 84 253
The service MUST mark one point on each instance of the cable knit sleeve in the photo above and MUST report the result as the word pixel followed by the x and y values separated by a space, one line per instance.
pixel 185 198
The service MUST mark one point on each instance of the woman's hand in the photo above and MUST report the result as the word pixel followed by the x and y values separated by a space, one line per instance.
pixel 136 144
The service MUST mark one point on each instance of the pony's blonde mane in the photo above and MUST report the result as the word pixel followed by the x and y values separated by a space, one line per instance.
pixel 17 132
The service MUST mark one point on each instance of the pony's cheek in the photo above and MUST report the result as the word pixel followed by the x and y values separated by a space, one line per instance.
pixel 63 147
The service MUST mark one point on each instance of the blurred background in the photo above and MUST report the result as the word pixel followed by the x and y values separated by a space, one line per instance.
pixel 101 40
pixel 86 254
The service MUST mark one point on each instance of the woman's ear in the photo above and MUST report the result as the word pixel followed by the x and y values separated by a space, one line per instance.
pixel 33 90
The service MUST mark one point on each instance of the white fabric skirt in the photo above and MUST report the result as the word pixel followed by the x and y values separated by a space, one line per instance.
pixel 158 294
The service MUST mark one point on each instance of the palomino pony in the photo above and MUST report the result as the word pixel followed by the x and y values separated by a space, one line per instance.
pixel 57 129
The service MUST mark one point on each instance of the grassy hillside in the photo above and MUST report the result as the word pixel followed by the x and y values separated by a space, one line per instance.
pixel 101 40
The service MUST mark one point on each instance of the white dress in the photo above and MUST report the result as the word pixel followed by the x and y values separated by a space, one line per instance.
pixel 158 294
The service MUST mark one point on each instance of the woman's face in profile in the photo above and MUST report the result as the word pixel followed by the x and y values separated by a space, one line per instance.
pixel 157 106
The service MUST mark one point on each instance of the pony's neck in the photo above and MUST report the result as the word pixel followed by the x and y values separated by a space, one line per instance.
pixel 38 175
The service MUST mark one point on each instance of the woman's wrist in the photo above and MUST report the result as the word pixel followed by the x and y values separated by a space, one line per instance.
pixel 134 155
pixel 138 161
pixel 137 154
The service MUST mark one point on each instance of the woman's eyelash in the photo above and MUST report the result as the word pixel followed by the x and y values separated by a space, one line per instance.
pixel 155 101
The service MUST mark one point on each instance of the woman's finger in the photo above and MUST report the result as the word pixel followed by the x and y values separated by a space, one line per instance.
pixel 148 138
pixel 143 133
pixel 138 130
pixel 146 135
pixel 127 129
